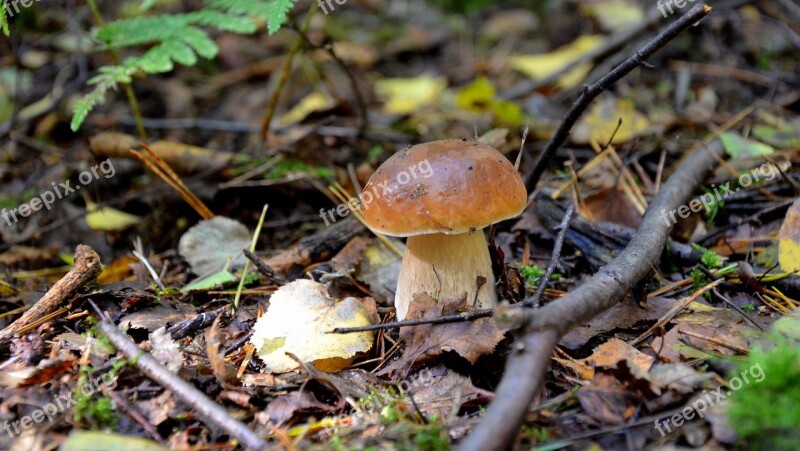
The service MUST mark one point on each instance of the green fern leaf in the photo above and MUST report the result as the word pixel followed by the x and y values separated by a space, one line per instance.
pixel 3 18
pixel 274 12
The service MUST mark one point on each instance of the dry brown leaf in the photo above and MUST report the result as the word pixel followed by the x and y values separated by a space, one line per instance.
pixel 611 205
pixel 223 370
pixel 621 316
pixel 470 339
pixel 605 400
pixel 615 350
pixel 283 408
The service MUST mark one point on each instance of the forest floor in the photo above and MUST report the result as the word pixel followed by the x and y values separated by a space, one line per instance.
pixel 655 265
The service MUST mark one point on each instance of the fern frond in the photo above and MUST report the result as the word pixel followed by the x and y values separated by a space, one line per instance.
pixel 177 38
pixel 3 18
pixel 274 12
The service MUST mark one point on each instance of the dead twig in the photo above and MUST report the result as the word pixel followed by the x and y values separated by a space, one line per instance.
pixel 589 93
pixel 534 300
pixel 207 409
pixel 87 268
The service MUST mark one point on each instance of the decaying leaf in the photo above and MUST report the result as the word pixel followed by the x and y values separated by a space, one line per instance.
pixel 407 95
pixel 223 370
pixel 602 119
pixel 317 101
pixel 789 244
pixel 605 400
pixel 614 350
pixel 107 219
pixel 91 440
pixel 210 244
pixel 299 315
pixel 470 339
pixel 283 408
pixel 542 66
pixel 614 14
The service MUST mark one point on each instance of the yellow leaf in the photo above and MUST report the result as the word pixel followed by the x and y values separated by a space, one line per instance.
pixel 107 219
pixel 315 102
pixel 298 317
pixel 602 119
pixel 542 66
pixel 789 244
pixel 614 14
pixel 407 95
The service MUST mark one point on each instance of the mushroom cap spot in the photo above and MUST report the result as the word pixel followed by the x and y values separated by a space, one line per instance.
pixel 448 186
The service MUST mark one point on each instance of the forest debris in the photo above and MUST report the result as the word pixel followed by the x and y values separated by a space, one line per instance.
pixel 94 440
pixel 446 393
pixel 209 411
pixel 409 95
pixel 224 371
pixel 624 315
pixel 789 243
pixel 541 66
pixel 284 407
pixel 296 320
pixel 470 339
pixel 107 219
pixel 603 120
pixel 605 400
pixel 316 102
pixel 182 157
pixel 87 267
pixel 613 351
pixel 166 350
pixel 214 244
pixel 738 147
pixel 152 318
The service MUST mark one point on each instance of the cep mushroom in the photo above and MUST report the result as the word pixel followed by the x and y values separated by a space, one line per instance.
pixel 441 195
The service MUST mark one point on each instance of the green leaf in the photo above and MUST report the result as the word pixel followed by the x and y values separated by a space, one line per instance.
pixel 738 147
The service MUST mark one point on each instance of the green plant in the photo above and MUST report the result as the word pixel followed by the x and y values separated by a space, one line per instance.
pixel 4 19
pixel 709 258
pixel 532 274
pixel 174 38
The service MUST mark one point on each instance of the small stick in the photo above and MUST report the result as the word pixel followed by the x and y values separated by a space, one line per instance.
pixel 590 92
pixel 534 300
pixel 264 269
pixel 208 410
pixel 87 268
pixel 673 312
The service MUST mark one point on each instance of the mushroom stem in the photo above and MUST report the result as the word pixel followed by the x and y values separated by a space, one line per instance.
pixel 445 266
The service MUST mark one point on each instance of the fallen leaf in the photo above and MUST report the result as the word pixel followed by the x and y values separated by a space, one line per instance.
pixel 789 242
pixel 602 119
pixel 738 147
pixel 544 65
pixel 283 408
pixel 315 102
pixel 611 205
pixel 107 219
pixel 210 244
pixel 622 315
pixel 605 400
pixel 166 350
pixel 297 321
pixel 785 136
pixel 92 441
pixel 614 14
pixel 469 339
pixel 224 371
pixel 407 95
pixel 614 350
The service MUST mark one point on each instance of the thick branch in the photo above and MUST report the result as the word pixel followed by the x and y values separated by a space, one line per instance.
pixel 87 268
pixel 542 328
pixel 591 92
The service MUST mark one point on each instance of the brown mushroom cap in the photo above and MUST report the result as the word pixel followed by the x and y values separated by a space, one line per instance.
pixel 451 186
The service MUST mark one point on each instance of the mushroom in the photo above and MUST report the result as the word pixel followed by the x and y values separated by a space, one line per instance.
pixel 441 195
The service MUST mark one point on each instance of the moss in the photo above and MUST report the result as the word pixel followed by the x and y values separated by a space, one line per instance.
pixel 765 413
